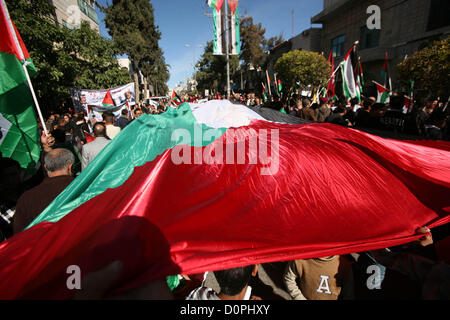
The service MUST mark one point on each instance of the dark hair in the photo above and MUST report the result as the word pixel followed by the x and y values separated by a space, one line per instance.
pixel 233 281
pixel 99 129
pixel 354 101
pixel 306 102
pixel 340 109
pixel 124 112
pixel 59 135
pixel 108 117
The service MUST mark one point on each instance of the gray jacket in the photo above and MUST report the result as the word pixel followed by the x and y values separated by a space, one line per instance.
pixel 91 150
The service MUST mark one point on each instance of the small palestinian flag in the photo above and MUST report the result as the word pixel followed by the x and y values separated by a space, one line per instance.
pixel 108 101
pixel 383 93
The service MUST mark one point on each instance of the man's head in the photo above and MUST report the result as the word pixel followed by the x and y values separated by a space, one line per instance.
pixel 99 130
pixel 125 113
pixel 59 162
pixel 137 113
pixel 108 118
pixel 233 281
pixel 340 110
pixel 306 103
pixel 128 95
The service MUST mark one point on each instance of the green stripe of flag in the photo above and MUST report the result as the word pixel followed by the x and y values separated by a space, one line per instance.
pixel 111 168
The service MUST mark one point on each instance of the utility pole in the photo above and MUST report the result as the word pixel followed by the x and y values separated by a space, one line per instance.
pixel 228 49
pixel 293 23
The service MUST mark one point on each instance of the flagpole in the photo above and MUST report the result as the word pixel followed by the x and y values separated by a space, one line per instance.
pixel 41 118
pixel 228 49
pixel 332 76
pixel 268 83
pixel 24 63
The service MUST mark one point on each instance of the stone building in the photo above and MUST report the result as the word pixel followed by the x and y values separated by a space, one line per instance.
pixel 70 13
pixel 406 27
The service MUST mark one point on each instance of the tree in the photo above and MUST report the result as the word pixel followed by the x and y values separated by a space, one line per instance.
pixel 212 70
pixel 429 68
pixel 159 76
pixel 64 58
pixel 252 43
pixel 306 67
pixel 131 24
pixel 92 59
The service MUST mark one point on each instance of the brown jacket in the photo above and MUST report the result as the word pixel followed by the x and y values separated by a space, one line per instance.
pixel 308 114
pixel 36 200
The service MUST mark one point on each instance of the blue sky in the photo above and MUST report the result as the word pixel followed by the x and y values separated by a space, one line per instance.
pixel 184 22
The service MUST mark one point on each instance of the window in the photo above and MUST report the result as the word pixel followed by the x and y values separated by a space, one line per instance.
pixel 337 45
pixel 438 17
pixel 369 38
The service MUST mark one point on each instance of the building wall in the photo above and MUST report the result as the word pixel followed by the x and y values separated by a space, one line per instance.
pixel 403 30
pixel 64 10
pixel 309 40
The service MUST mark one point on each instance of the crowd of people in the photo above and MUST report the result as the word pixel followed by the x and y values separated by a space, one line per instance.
pixel 417 270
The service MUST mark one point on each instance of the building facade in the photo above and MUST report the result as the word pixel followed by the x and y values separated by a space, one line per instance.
pixel 406 27
pixel 70 13
pixel 309 40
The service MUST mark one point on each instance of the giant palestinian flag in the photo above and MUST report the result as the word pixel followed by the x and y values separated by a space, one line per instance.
pixel 19 137
pixel 213 186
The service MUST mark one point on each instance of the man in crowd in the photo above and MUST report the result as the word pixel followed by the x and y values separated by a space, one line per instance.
pixel 111 130
pixel 233 285
pixel 137 113
pixel 123 120
pixel 58 165
pixel 328 278
pixel 324 111
pixel 307 113
pixel 91 150
pixel 337 117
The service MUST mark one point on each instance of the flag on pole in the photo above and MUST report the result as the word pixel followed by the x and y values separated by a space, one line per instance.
pixel 409 99
pixel 348 78
pixel 268 82
pixel 234 28
pixel 331 88
pixel 383 93
pixel 20 136
pixel 219 26
pixel 280 86
pixel 176 98
pixel 385 75
pixel 264 95
pixel 275 83
pixel 359 78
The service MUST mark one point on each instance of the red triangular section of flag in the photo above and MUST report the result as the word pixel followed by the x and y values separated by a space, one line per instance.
pixel 108 101
pixel 219 4
pixel 8 43
pixel 233 5
pixel 380 88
